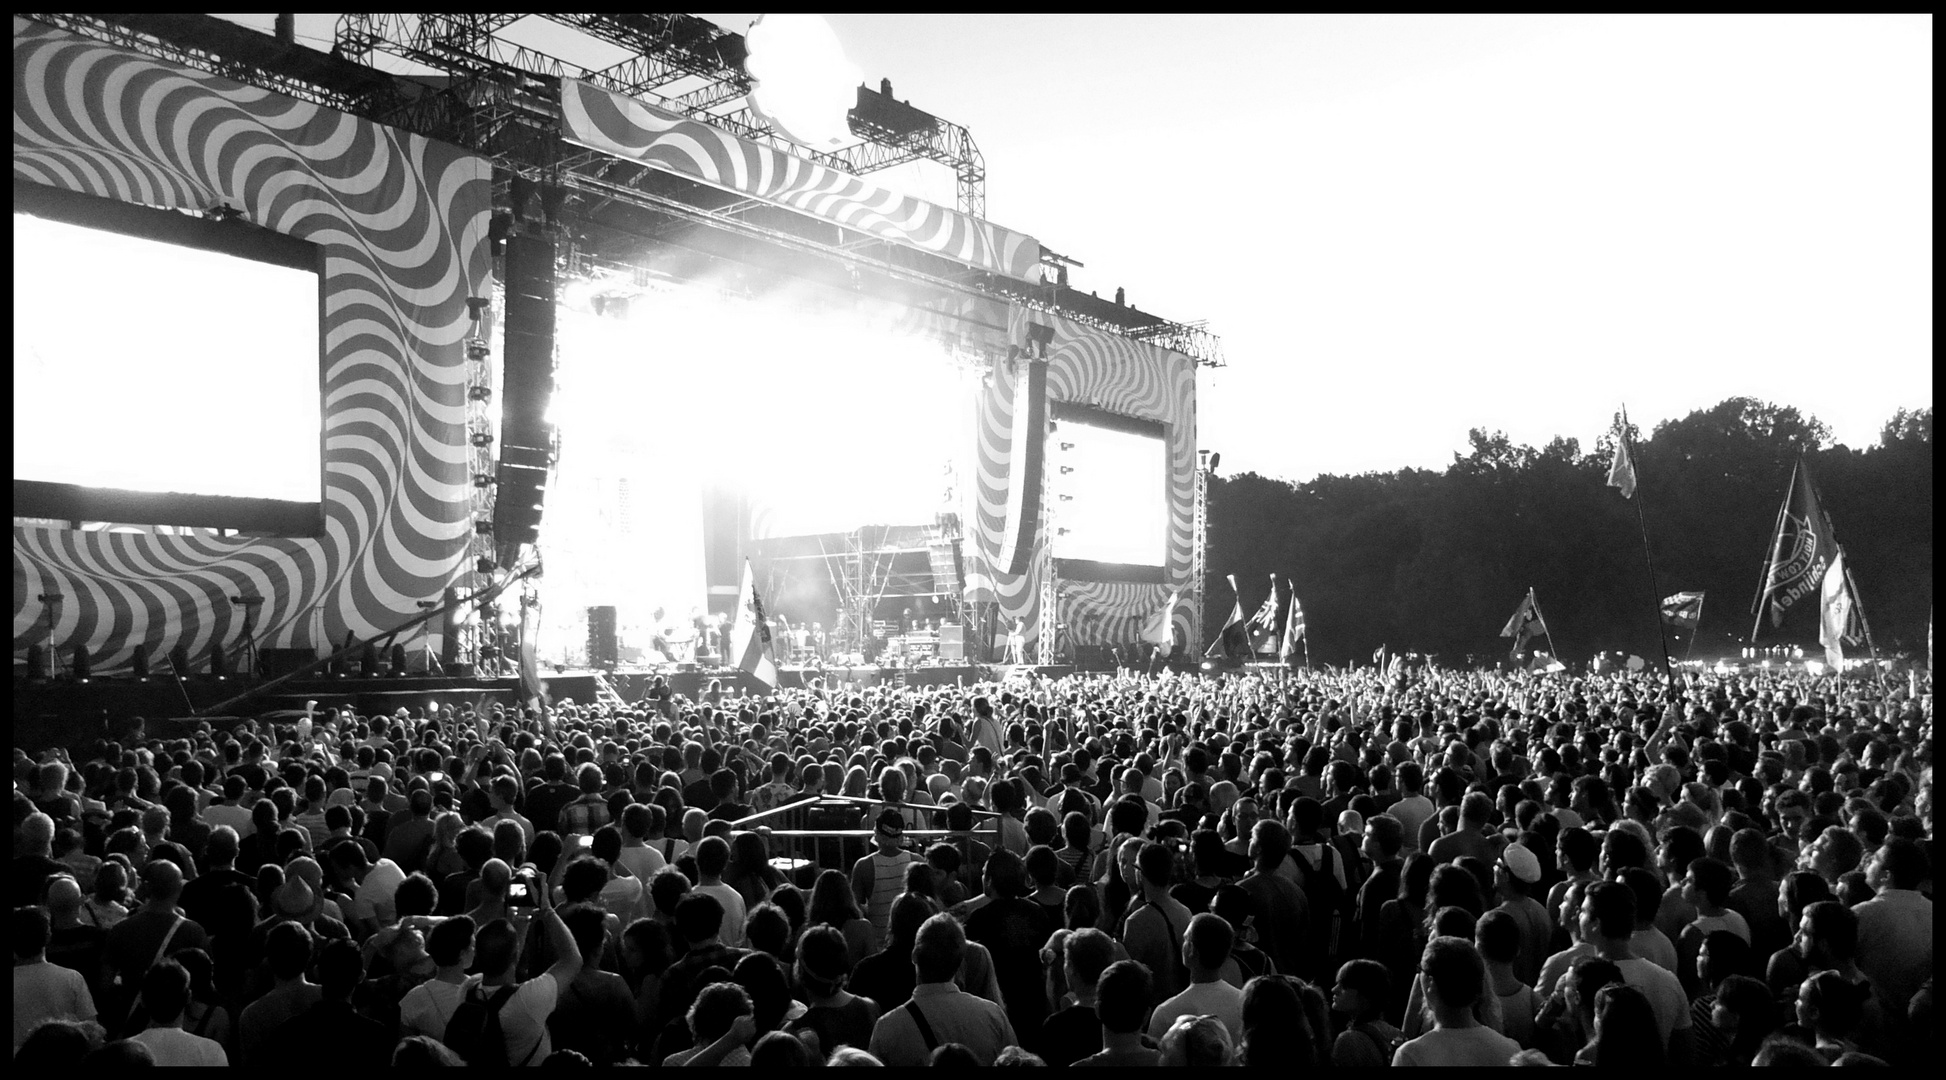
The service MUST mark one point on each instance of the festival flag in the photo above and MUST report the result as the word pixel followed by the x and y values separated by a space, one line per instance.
pixel 1161 627
pixel 1524 624
pixel 1234 639
pixel 1263 625
pixel 1683 610
pixel 1293 628
pixel 533 688
pixel 1621 471
pixel 1834 612
pixel 1800 552
pixel 750 634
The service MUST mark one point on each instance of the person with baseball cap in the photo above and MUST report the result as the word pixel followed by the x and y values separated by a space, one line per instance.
pixel 1515 877
pixel 879 878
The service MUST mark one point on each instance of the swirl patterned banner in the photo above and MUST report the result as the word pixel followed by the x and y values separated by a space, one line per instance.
pixel 403 223
pixel 616 124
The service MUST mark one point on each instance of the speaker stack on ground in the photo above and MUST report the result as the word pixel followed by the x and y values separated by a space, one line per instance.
pixel 603 650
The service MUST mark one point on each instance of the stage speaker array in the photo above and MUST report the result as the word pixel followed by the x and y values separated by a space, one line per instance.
pixel 526 441
pixel 603 650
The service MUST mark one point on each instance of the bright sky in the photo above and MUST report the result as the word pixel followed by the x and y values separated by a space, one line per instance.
pixel 1405 227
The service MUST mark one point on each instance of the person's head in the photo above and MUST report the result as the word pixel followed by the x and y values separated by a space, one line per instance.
pixel 823 961
pixel 32 931
pixel 165 992
pixel 1831 1005
pixel 1827 934
pixel 1625 1028
pixel 715 1010
pixel 1722 955
pixel 1087 954
pixel 1899 863
pixel 1454 972
pixel 712 857
pixel 1744 1012
pixel 1384 838
pixel 1835 852
pixel 1270 844
pixel 762 976
pixel 340 967
pixel 768 930
pixel 1197 1042
pixel 1006 874
pixel 1497 936
pixel 57 1045
pixel 1799 890
pixel 287 949
pixel 699 917
pixel 939 949
pixel 1122 997
pixel 450 944
pixel 779 1049
pixel 495 948
pixel 909 912
pixel 1362 990
pixel 1207 945
pixel 1157 863
pixel 1646 889
pixel 1781 1051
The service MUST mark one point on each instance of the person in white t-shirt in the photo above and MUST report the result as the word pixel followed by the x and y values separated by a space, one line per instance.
pixel 43 991
pixel 638 855
pixel 1455 979
pixel 165 994
pixel 1608 923
pixel 1205 949
pixel 372 886
pixel 712 857
pixel 523 1020
pixel 429 1007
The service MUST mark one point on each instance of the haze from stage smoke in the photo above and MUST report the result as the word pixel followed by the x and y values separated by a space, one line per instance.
pixel 1405 227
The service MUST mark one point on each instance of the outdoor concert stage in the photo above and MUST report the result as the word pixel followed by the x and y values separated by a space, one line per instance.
pixel 690 249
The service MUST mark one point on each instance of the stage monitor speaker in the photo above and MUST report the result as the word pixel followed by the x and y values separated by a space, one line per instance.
pixel 277 663
pixel 603 651
pixel 952 650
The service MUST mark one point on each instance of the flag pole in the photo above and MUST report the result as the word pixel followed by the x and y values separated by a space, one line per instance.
pixel 1776 549
pixel 1648 556
pixel 1547 628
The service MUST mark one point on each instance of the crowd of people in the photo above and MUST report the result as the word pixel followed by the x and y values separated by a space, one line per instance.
pixel 1316 869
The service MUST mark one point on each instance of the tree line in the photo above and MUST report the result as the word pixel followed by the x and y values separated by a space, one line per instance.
pixel 1434 561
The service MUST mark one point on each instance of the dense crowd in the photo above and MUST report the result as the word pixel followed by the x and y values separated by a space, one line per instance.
pixel 1320 870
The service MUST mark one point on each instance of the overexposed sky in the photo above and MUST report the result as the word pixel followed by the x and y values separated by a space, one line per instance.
pixel 1405 227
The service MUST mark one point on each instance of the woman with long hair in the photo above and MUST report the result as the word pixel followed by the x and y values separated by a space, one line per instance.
pixel 834 905
pixel 1625 1032
pixel 1786 970
pixel 750 872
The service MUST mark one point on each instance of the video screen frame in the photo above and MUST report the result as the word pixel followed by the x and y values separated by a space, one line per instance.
pixel 1062 412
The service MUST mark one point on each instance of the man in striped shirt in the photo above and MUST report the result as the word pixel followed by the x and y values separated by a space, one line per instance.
pixel 879 878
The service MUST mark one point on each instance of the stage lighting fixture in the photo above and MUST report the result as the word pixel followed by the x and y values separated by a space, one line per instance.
pixel 1066 469
pixel 222 212
pixel 483 527
pixel 485 565
pixel 1067 446
pixel 476 306
pixel 482 439
pixel 36 663
pixel 84 665
pixel 477 350
pixel 140 661
pixel 1067 498
pixel 1040 335
pixel 479 393
pixel 483 481
pixel 1215 459
pixel 179 660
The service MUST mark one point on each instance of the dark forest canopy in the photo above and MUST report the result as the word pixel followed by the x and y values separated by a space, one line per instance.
pixel 1434 562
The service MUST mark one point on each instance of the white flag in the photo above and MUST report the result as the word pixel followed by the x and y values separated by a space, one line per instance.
pixel 750 634
pixel 1161 628
pixel 1834 612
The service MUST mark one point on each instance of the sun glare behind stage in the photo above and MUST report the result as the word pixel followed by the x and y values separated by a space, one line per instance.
pixel 820 420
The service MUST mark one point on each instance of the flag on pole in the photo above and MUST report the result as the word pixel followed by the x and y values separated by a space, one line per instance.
pixel 1621 471
pixel 533 689
pixel 1834 612
pixel 1263 625
pixel 750 634
pixel 1293 627
pixel 1234 639
pixel 1683 609
pixel 1161 629
pixel 1378 656
pixel 1524 624
pixel 1800 552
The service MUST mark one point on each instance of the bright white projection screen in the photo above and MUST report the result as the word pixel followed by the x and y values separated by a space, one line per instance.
pixel 166 368
pixel 1109 482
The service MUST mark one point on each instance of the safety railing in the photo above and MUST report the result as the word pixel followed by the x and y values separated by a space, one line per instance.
pixel 829 832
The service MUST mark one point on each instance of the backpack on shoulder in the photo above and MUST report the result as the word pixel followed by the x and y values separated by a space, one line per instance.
pixel 474 1032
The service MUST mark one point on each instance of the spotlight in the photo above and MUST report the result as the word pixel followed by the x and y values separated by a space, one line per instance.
pixel 482 481
pixel 1215 459
pixel 476 350
pixel 222 212
pixel 1066 469
pixel 1067 446
pixel 477 306
pixel 479 393
pixel 482 439
pixel 483 527
pixel 485 565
